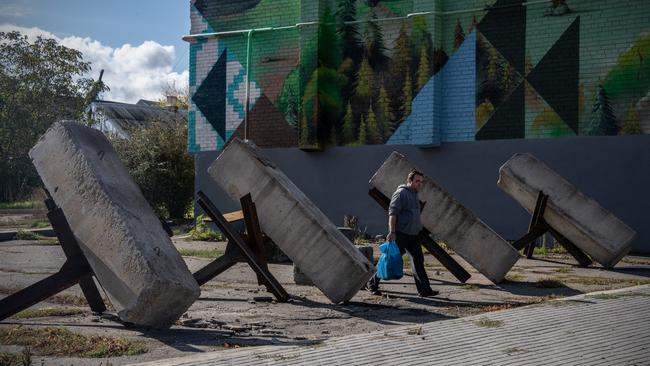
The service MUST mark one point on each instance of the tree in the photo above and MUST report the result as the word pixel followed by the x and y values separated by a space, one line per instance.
pixel 157 158
pixel 632 124
pixel 349 130
pixel 40 82
pixel 603 120
pixel 373 134
pixel 423 73
pixel 384 115
pixel 459 35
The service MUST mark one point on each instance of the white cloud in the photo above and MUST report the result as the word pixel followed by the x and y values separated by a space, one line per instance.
pixel 132 72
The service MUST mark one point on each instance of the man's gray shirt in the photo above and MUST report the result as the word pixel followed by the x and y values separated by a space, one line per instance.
pixel 406 206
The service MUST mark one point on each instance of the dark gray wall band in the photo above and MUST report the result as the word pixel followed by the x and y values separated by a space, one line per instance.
pixel 612 170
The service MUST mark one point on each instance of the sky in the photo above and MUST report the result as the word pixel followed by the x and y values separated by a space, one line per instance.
pixel 137 42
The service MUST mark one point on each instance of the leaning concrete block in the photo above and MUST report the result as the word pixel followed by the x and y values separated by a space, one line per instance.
pixel 449 221
pixel 127 248
pixel 292 221
pixel 594 230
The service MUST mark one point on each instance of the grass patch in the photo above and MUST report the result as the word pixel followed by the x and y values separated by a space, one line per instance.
pixel 549 282
pixel 489 323
pixel 39 224
pixel 26 235
pixel 415 331
pixel 45 312
pixel 563 270
pixel 62 342
pixel 20 205
pixel 618 295
pixel 14 359
pixel 544 250
pixel 514 277
pixel 201 232
pixel 469 286
pixel 201 253
pixel 604 281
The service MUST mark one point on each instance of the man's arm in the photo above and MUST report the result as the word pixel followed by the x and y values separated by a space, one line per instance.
pixel 392 221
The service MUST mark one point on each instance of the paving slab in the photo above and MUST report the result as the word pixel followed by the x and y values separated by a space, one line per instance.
pixel 606 328
pixel 295 224
pixel 592 228
pixel 448 220
pixel 132 256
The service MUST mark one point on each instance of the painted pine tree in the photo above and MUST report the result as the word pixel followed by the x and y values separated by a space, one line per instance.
pixel 399 68
pixel 603 120
pixel 384 115
pixel 373 134
pixel 374 48
pixel 424 72
pixel 407 97
pixel 362 96
pixel 363 132
pixel 349 129
pixel 348 31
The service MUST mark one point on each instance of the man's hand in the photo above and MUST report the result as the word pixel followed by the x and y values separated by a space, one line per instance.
pixel 391 236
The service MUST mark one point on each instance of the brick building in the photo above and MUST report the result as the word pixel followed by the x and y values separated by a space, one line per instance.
pixel 458 86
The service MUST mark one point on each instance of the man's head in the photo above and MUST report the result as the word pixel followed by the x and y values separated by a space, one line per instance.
pixel 415 180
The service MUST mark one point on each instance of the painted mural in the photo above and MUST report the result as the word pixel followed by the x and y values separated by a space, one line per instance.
pixel 366 73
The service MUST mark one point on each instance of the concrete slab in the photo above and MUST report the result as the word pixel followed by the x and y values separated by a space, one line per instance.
pixel 448 220
pixel 294 223
pixel 578 217
pixel 134 260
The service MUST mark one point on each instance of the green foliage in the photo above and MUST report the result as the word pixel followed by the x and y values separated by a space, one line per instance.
pixel 62 342
pixel 46 312
pixel 201 253
pixel 364 86
pixel 629 80
pixel 549 283
pixel 329 43
pixel 288 99
pixel 156 156
pixel 201 231
pixel 40 82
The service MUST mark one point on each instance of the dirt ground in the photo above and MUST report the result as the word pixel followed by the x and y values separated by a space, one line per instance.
pixel 233 311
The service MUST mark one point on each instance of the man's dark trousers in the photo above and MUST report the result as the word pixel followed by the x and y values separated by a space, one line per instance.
pixel 411 245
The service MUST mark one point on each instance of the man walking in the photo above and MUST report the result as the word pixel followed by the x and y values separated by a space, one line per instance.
pixel 404 226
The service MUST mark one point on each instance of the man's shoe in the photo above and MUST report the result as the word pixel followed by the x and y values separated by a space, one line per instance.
pixel 374 291
pixel 430 293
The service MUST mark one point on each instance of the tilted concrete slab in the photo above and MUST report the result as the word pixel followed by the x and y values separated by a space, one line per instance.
pixel 292 221
pixel 448 220
pixel 123 240
pixel 593 229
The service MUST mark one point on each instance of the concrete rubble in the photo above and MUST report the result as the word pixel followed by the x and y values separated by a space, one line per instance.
pixel 133 258
pixel 593 229
pixel 448 220
pixel 292 221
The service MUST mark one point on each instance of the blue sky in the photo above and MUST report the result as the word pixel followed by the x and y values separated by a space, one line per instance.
pixel 137 42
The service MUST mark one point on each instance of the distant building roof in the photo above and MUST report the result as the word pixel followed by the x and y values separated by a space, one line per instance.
pixel 122 118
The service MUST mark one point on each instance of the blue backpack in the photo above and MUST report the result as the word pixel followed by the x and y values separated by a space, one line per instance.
pixel 390 265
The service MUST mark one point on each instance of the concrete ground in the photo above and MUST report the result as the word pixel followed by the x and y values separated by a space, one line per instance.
pixel 605 328
pixel 234 312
